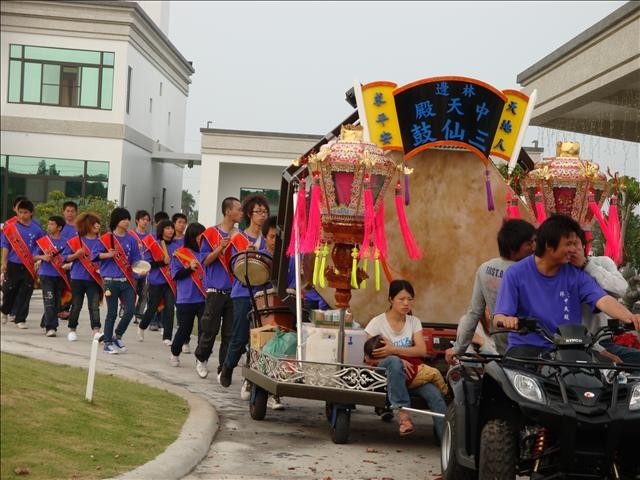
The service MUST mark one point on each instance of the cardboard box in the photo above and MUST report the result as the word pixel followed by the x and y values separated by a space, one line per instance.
pixel 261 335
pixel 321 344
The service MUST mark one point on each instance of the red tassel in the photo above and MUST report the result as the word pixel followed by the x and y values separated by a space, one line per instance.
pixel 312 234
pixel 386 270
pixel 541 215
pixel 409 241
pixel 513 212
pixel 487 185
pixel 380 240
pixel 299 223
pixel 369 219
pixel 614 230
pixel 604 226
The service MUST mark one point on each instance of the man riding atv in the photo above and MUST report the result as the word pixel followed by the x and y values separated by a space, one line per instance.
pixel 558 413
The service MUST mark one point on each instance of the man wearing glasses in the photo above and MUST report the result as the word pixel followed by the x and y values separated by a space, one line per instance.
pixel 255 210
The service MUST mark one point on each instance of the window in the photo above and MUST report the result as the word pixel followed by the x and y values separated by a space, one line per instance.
pixel 129 73
pixel 36 177
pixel 160 88
pixel 150 105
pixel 62 77
pixel 169 119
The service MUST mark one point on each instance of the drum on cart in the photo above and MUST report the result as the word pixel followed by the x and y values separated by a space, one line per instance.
pixel 273 311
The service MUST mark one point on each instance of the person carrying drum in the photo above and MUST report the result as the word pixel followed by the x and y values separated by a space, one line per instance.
pixel 255 211
pixel 218 279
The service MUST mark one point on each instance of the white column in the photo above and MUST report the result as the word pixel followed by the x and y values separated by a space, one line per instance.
pixel 209 202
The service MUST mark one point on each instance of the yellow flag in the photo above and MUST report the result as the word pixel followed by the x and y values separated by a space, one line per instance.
pixel 509 124
pixel 382 119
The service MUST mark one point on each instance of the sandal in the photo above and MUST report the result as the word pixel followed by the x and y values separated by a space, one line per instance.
pixel 406 426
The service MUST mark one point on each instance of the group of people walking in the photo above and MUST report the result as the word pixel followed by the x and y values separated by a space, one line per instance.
pixel 178 269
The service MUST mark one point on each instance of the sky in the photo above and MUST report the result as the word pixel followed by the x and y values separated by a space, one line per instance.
pixel 285 66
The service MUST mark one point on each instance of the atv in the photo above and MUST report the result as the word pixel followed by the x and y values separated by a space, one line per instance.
pixel 563 415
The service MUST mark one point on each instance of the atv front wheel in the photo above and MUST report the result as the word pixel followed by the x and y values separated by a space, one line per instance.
pixel 498 451
pixel 451 469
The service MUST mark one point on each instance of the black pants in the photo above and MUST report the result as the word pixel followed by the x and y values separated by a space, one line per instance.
pixel 16 291
pixel 186 313
pixel 141 293
pixel 218 312
pixel 156 293
pixel 51 297
pixel 80 288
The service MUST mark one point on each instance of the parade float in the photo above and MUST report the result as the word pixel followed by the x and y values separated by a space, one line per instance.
pixel 430 140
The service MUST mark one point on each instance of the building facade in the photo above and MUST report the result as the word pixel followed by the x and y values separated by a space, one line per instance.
pixel 236 163
pixel 91 92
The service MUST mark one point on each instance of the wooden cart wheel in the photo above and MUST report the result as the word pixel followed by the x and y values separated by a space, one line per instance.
pixel 340 430
pixel 258 402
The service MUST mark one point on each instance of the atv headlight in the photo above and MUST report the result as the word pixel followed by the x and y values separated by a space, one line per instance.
pixel 634 403
pixel 526 386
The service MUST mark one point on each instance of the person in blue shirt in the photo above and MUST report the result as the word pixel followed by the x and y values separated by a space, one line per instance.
pixel 17 265
pixel 546 286
pixel 117 277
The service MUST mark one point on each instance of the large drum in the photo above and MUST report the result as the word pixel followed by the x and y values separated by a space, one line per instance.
pixel 273 311
pixel 252 267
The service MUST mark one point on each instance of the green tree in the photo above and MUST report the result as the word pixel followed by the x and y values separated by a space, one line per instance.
pixel 53 206
pixel 187 204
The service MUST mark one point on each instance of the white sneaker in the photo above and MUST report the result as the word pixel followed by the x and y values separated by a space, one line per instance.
pixel 140 335
pixel 50 333
pixel 5 318
pixel 201 369
pixel 22 325
pixel 12 318
pixel 161 330
pixel 167 342
pixel 274 403
pixel 72 336
pixel 245 390
pixel 175 361
pixel 186 348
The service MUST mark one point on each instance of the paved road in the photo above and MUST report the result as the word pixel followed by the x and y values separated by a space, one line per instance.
pixel 289 444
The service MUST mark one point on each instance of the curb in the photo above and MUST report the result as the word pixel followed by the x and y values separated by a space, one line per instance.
pixel 196 435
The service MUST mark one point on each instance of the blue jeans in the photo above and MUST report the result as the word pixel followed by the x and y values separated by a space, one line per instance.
pixel 80 288
pixel 398 393
pixel 186 313
pixel 626 354
pixel 51 297
pixel 157 293
pixel 119 291
pixel 240 333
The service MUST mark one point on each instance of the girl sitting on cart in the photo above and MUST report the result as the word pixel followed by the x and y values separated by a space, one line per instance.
pixel 402 337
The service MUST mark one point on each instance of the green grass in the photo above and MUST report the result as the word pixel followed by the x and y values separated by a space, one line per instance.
pixel 48 427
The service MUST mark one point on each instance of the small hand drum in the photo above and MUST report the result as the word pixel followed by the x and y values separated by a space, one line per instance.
pixel 252 267
pixel 141 267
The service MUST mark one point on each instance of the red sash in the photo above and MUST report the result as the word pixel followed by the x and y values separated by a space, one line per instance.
pixel 11 220
pixel 135 235
pixel 57 260
pixel 109 241
pixel 76 243
pixel 20 247
pixel 214 237
pixel 240 241
pixel 185 256
pixel 157 255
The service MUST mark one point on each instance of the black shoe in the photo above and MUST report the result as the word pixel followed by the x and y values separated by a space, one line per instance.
pixel 224 377
pixel 386 414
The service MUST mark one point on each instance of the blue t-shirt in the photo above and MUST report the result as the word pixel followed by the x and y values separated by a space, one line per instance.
pixel 108 267
pixel 68 231
pixel 186 290
pixel 78 272
pixel 552 300
pixel 238 290
pixel 215 275
pixel 29 233
pixel 46 268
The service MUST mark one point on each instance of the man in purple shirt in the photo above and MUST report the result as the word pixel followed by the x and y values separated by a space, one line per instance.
pixel 18 281
pixel 547 287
